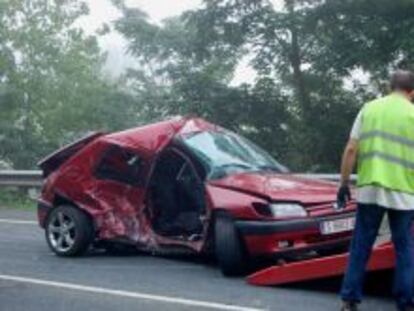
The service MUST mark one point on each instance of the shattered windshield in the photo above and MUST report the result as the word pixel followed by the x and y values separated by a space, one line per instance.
pixel 224 153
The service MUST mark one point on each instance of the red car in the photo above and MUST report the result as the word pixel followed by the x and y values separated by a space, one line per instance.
pixel 185 184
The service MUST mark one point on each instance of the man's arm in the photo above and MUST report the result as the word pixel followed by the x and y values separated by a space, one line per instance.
pixel 348 160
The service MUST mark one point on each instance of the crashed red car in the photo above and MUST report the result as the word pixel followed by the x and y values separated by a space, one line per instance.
pixel 185 184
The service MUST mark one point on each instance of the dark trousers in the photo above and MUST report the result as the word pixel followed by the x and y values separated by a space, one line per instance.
pixel 368 221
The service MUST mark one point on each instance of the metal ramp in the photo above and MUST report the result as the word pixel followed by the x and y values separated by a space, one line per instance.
pixel 382 258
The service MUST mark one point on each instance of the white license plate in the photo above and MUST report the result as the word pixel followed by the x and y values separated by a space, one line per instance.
pixel 337 226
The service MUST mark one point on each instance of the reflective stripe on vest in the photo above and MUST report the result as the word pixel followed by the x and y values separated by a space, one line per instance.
pixel 387 136
pixel 387 157
pixel 386 145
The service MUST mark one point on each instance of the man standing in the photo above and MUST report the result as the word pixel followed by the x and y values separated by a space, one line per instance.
pixel 383 139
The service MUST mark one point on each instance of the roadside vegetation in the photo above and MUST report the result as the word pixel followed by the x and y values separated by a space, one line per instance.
pixel 12 198
pixel 316 63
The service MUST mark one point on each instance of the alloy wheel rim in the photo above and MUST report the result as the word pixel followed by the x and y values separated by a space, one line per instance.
pixel 62 232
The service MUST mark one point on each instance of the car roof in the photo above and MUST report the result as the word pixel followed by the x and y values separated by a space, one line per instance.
pixel 155 136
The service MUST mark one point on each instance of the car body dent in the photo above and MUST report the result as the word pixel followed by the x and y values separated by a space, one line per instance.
pixel 281 187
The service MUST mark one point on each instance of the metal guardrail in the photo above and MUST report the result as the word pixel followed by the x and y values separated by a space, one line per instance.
pixel 21 178
pixel 33 179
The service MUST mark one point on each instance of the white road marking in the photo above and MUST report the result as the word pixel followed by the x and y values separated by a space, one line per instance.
pixel 17 221
pixel 128 294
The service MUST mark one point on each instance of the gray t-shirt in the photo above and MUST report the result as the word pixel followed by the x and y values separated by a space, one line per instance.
pixel 357 127
pixel 378 195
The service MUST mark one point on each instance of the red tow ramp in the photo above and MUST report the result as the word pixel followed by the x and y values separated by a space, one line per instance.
pixel 382 258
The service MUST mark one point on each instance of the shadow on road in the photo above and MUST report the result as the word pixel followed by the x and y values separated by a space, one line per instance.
pixel 378 284
pixel 133 252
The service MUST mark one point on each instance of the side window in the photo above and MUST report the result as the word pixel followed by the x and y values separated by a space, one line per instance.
pixel 119 165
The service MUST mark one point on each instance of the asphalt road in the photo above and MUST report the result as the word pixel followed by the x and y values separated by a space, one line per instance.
pixel 33 279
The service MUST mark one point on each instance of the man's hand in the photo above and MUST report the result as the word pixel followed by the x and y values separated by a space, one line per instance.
pixel 343 196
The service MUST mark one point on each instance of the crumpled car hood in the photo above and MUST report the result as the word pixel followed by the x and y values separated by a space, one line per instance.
pixel 280 187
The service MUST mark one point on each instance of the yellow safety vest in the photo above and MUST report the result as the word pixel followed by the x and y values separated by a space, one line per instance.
pixel 386 145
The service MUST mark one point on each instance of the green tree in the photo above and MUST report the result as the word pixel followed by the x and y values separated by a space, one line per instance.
pixel 374 36
pixel 305 55
pixel 52 88
pixel 180 72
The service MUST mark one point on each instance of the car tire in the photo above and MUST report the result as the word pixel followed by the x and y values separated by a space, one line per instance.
pixel 69 231
pixel 229 248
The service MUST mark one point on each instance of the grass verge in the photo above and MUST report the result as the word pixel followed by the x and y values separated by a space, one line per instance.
pixel 13 198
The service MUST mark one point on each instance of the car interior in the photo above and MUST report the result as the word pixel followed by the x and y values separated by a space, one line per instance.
pixel 120 165
pixel 177 197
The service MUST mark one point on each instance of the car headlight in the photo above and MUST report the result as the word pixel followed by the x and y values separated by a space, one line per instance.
pixel 287 210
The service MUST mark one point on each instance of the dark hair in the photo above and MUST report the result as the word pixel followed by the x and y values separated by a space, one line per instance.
pixel 402 80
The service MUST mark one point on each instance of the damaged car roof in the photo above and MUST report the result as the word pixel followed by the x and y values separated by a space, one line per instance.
pixel 155 136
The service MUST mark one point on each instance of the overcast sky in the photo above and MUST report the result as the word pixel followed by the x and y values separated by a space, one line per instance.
pixel 102 11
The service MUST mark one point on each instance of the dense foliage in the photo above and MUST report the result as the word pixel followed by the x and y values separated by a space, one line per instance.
pixel 309 57
pixel 52 87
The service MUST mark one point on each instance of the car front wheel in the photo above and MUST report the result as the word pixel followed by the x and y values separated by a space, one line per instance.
pixel 69 231
pixel 229 248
